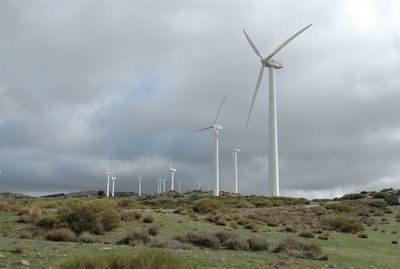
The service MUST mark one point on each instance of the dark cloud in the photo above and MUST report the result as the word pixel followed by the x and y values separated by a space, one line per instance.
pixel 96 84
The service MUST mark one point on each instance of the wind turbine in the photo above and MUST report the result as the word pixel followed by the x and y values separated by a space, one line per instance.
pixel 273 177
pixel 179 186
pixel 235 152
pixel 158 181
pixel 172 171
pixel 164 180
pixel 216 127
pixel 113 184
pixel 108 174
pixel 140 185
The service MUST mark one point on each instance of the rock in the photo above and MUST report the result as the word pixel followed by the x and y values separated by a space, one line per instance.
pixel 24 262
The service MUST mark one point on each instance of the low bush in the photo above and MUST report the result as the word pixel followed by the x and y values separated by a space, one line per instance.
pixel 26 234
pixel 136 237
pixel 161 242
pixel 307 234
pixel 234 225
pixel 381 195
pixel 345 224
pixel 339 207
pixel 225 236
pixel 323 236
pixel 143 259
pixel 258 243
pixel 353 196
pixel 378 204
pixel 87 237
pixel 95 216
pixel 237 244
pixel 128 203
pixel 4 206
pixel 148 218
pixel 61 234
pixel 206 205
pixel 200 239
pixel 300 249
pixel 153 230
pixel 251 225
pixel 362 235
pixel 392 199
pixel 30 214
pixel 49 222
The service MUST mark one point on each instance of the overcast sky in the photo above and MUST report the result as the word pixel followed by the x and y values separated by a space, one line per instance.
pixel 86 85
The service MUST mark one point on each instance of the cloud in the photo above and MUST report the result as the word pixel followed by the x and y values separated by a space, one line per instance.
pixel 90 85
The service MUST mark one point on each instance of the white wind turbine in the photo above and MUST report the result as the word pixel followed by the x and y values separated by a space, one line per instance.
pixel 235 152
pixel 216 127
pixel 140 185
pixel 158 181
pixel 108 174
pixel 179 186
pixel 163 181
pixel 113 184
pixel 172 171
pixel 273 166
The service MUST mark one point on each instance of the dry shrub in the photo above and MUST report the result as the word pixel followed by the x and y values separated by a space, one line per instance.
pixel 363 235
pixel 153 230
pixel 258 243
pixel 194 216
pixel 237 244
pixel 323 236
pixel 49 222
pixel 26 234
pixel 127 203
pixel 252 225
pixel 148 218
pixel 225 236
pixel 4 206
pixel 339 207
pixel 136 237
pixel 130 214
pixel 39 234
pixel 200 239
pixel 61 234
pixel 300 249
pixel 87 237
pixel 289 229
pixel 307 234
pixel 30 214
pixel 242 220
pixel 206 205
pixel 161 242
pixel 234 225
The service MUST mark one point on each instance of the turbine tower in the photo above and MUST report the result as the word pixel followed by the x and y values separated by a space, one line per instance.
pixel 108 174
pixel 113 185
pixel 179 186
pixel 217 128
pixel 172 171
pixel 140 185
pixel 273 166
pixel 163 181
pixel 158 181
pixel 235 152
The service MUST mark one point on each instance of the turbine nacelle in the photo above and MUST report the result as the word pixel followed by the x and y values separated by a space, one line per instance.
pixel 217 127
pixel 272 63
pixel 172 170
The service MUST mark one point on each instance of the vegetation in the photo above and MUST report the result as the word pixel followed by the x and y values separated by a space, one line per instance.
pixel 345 224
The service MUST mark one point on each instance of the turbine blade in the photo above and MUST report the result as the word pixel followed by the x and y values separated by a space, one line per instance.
pixel 202 129
pixel 170 164
pixel 253 45
pixel 255 93
pixel 286 42
pixel 220 108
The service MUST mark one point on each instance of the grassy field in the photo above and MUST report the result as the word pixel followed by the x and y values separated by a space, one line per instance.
pixel 344 250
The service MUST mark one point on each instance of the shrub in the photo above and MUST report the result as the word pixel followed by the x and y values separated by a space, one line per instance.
pixel 339 207
pixel 381 195
pixel 345 224
pixel 153 230
pixel 353 196
pixel 362 235
pixel 258 243
pixel 307 234
pixel 94 216
pixel 148 218
pixel 392 199
pixel 26 234
pixel 4 206
pixel 130 214
pixel 300 249
pixel 143 259
pixel 395 242
pixel 133 238
pixel 290 229
pixel 127 203
pixel 378 204
pixel 225 236
pixel 323 236
pixel 87 237
pixel 200 239
pixel 237 244
pixel 161 242
pixel 61 234
pixel 206 205
pixel 234 225
pixel 30 214
pixel 251 225
pixel 194 216
pixel 49 222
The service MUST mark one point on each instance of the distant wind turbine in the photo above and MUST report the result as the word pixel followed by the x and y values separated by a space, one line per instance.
pixel 273 165
pixel 164 180
pixel 140 185
pixel 113 184
pixel 179 186
pixel 216 127
pixel 235 152
pixel 172 171
pixel 108 174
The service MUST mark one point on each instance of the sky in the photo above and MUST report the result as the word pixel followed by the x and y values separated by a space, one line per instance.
pixel 86 85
